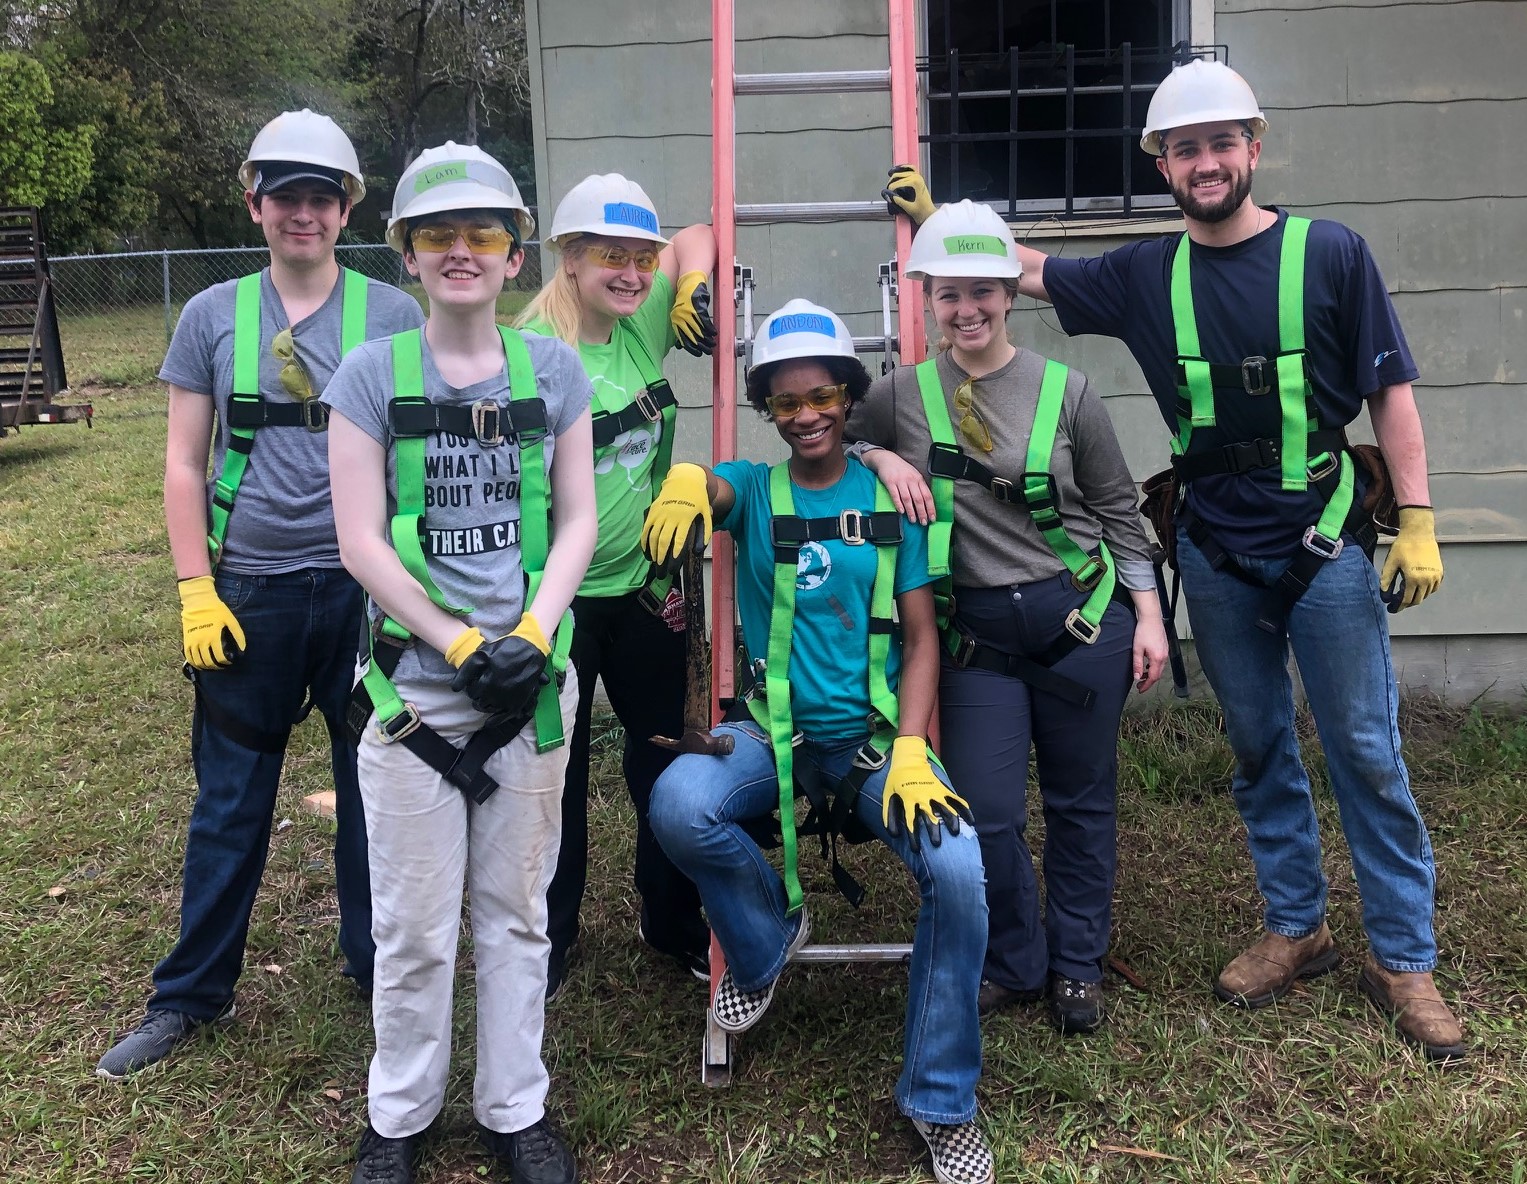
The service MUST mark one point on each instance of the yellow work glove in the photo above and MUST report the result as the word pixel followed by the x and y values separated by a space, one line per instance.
pixel 501 676
pixel 919 795
pixel 209 632
pixel 1415 557
pixel 678 518
pixel 690 317
pixel 908 194
pixel 464 646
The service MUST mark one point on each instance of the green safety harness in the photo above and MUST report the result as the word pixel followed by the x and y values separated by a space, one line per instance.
pixel 1034 490
pixel 768 700
pixel 653 403
pixel 412 418
pixel 247 411
pixel 1307 454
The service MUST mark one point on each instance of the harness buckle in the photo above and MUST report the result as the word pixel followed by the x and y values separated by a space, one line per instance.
pixel 1322 546
pixel 405 723
pixel 851 527
pixel 1002 489
pixel 315 416
pixel 1255 376
pixel 1323 469
pixel 647 405
pixel 1090 574
pixel 1252 454
pixel 487 423
pixel 869 757
pixel 1082 629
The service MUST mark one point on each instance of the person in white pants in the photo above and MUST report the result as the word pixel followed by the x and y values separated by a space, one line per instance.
pixel 466 510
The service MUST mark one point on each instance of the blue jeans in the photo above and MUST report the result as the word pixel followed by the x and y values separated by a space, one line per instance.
pixel 1340 639
pixel 301 630
pixel 696 811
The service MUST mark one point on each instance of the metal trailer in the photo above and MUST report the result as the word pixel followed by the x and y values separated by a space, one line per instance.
pixel 31 352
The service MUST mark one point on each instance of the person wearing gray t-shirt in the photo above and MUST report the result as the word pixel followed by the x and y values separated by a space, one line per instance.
pixel 269 616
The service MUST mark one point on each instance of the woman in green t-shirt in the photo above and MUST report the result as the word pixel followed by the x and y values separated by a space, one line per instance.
pixel 624 295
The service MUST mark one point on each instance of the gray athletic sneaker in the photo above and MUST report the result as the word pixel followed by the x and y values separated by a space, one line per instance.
pixel 152 1041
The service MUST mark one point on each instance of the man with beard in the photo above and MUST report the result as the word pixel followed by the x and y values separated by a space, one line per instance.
pixel 1261 336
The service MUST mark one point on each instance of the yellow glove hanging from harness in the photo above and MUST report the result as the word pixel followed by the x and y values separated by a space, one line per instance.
pixel 678 519
pixel 210 634
pixel 1414 556
pixel 919 795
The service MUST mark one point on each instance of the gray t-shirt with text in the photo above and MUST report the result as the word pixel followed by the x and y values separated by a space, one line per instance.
pixel 471 491
pixel 282 520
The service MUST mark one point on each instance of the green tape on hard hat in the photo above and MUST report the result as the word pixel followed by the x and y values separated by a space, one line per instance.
pixel 452 172
pixel 975 244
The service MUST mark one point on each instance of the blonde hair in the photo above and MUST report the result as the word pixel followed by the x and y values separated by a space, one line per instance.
pixel 1010 286
pixel 558 302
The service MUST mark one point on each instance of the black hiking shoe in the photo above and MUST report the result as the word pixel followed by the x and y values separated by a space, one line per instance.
pixel 693 956
pixel 153 1040
pixel 380 1160
pixel 535 1155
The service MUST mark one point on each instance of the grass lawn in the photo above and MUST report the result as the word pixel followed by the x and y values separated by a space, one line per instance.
pixel 95 790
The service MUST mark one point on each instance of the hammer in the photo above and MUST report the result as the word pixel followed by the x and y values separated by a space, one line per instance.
pixel 697 735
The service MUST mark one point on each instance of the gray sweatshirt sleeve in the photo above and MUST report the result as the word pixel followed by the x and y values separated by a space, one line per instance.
pixel 1107 488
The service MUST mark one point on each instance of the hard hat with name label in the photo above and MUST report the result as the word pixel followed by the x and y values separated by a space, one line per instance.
pixel 965 239
pixel 303 137
pixel 1200 92
pixel 607 204
pixel 455 177
pixel 801 330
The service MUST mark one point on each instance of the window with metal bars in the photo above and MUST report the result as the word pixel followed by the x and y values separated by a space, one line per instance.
pixel 1036 106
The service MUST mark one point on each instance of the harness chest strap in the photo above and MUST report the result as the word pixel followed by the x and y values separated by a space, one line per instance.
pixel 396 718
pixel 774 714
pixel 247 410
pixel 948 462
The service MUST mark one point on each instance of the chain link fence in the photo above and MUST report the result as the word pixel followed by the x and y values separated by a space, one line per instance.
pixel 116 312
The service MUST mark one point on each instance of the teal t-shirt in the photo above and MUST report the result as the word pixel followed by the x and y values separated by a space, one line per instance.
pixel 623 485
pixel 829 652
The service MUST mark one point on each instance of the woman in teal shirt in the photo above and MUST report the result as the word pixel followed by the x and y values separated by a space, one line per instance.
pixel 623 295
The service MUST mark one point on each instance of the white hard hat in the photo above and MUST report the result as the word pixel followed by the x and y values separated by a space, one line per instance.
pixel 801 330
pixel 455 177
pixel 303 137
pixel 1200 92
pixel 606 204
pixel 963 238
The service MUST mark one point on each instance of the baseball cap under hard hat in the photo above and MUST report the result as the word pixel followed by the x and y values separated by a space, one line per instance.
pixel 275 175
pixel 304 138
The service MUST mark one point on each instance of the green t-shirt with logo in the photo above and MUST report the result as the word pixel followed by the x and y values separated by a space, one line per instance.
pixel 623 484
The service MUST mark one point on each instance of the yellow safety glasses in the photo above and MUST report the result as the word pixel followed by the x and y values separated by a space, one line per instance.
pixel 971 424
pixel 615 258
pixel 787 404
pixel 293 377
pixel 439 237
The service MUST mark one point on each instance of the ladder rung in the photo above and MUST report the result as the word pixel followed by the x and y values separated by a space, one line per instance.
pixel 812 211
pixel 818 82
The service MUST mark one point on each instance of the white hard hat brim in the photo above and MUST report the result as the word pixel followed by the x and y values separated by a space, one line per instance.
pixel 1151 140
pixel 460 197
pixel 966 267
pixel 605 231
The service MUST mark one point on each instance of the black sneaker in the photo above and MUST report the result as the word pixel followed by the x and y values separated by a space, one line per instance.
pixel 153 1040
pixel 380 1160
pixel 994 997
pixel 693 956
pixel 1076 1006
pixel 535 1155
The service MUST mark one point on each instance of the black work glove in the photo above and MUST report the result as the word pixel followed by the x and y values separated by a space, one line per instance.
pixel 502 676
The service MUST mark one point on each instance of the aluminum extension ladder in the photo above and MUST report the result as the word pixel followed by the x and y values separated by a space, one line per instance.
pixel 734 310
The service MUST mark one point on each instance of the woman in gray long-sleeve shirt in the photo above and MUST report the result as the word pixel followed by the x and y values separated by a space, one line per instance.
pixel 1054 610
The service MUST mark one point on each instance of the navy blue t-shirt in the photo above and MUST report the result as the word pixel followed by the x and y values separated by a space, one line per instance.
pixel 1354 339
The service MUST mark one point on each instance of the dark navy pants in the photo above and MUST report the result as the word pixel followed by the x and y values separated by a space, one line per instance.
pixel 988 723
pixel 300 630
pixel 640 660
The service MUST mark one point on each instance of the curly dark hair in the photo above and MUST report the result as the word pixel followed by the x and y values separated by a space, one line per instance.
pixel 849 371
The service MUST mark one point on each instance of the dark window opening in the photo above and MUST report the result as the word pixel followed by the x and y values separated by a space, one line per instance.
pixel 1037 106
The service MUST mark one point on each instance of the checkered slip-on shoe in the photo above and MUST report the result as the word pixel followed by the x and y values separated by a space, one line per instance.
pixel 737 1010
pixel 960 1155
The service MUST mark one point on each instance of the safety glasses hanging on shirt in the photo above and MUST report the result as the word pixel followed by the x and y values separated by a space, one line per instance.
pixel 972 424
pixel 787 404
pixel 615 258
pixel 294 377
pixel 435 238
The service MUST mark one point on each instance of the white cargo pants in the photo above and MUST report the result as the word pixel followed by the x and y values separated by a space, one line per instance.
pixel 425 837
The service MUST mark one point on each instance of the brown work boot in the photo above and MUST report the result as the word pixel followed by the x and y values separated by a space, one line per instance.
pixel 1412 1003
pixel 1265 973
